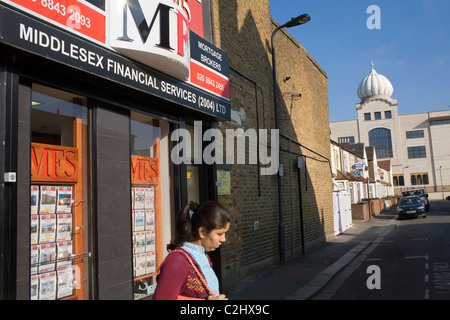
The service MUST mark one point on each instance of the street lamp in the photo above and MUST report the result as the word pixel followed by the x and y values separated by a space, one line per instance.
pixel 304 18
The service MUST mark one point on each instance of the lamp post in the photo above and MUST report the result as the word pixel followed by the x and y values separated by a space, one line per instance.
pixel 304 18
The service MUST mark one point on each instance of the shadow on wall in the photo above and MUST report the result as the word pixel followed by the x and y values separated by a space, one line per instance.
pixel 253 242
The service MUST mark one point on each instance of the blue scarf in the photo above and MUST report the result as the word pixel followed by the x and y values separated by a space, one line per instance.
pixel 200 256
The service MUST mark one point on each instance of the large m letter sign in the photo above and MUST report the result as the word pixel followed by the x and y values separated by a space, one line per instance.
pixel 155 33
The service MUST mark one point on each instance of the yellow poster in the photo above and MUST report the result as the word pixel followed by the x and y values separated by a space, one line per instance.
pixel 224 185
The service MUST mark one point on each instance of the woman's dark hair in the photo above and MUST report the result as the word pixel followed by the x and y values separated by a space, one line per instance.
pixel 208 215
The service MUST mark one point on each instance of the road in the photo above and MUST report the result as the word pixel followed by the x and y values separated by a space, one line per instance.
pixel 411 263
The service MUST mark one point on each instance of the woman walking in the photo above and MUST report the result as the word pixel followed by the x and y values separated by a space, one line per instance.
pixel 186 272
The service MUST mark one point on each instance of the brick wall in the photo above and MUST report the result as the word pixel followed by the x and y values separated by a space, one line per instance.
pixel 243 30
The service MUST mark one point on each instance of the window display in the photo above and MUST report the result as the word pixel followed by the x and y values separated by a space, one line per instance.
pixel 146 203
pixel 51 236
pixel 58 187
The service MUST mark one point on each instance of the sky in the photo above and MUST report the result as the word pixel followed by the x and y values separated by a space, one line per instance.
pixel 411 48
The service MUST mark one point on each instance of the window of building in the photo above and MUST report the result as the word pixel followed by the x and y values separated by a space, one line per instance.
pixel 336 160
pixel 417 152
pixel 346 169
pixel 149 194
pixel 352 196
pixel 377 115
pixel 399 180
pixel 414 134
pixel 439 122
pixel 367 116
pixel 419 179
pixel 59 195
pixel 381 139
pixel 346 140
pixel 358 192
pixel 387 114
pixel 371 191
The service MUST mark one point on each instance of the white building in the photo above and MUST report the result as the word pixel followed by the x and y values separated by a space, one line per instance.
pixel 417 145
pixel 356 169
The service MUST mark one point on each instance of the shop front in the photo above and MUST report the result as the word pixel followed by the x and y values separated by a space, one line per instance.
pixel 88 107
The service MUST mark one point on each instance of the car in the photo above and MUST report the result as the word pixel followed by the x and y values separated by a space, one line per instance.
pixel 412 206
pixel 418 192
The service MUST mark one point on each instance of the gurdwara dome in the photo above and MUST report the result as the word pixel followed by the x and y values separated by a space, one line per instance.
pixel 374 84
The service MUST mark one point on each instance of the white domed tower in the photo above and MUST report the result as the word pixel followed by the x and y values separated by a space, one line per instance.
pixel 373 85
pixel 378 115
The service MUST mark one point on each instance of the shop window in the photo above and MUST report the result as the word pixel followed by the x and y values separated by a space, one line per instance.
pixel 59 224
pixel 150 197
pixel 417 152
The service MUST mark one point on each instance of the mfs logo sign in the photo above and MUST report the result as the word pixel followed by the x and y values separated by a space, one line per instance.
pixel 155 33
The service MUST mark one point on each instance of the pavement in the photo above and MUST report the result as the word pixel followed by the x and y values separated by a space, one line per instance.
pixel 317 274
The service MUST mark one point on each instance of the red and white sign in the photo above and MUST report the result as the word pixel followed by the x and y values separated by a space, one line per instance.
pixel 155 33
pixel 209 80
pixel 74 15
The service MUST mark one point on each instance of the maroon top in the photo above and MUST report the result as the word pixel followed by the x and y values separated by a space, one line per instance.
pixel 177 277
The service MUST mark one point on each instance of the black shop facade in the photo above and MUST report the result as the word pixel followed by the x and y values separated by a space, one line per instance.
pixel 91 94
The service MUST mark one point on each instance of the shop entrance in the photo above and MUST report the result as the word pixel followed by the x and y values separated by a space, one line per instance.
pixel 196 172
pixel 200 182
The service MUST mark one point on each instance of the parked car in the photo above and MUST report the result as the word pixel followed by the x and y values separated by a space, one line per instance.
pixel 412 206
pixel 418 192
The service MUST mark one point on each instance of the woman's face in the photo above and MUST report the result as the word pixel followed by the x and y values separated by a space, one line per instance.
pixel 211 241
